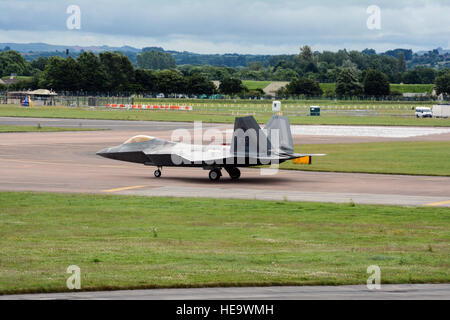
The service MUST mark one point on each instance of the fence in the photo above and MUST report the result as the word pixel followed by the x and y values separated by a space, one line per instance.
pixel 68 101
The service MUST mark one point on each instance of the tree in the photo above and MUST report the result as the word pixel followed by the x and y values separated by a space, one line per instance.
pixel 306 53
pixel 231 86
pixel 284 75
pixel 255 66
pixel 304 86
pixel 376 83
pixel 93 76
pixel 13 62
pixel 369 52
pixel 443 83
pixel 155 60
pixel 146 81
pixel 61 74
pixel 119 71
pixel 420 74
pixel 170 81
pixel 401 62
pixel 347 84
pixel 199 84
pixel 39 63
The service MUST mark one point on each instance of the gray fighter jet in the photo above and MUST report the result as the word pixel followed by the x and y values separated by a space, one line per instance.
pixel 250 146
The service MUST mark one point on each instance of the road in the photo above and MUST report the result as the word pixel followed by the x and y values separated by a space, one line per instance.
pixel 387 292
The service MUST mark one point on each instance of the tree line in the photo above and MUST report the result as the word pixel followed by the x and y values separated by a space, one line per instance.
pixel 114 73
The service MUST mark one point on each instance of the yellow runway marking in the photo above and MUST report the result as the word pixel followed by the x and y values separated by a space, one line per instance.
pixel 438 203
pixel 124 188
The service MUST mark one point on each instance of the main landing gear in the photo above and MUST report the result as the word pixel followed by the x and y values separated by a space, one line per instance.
pixel 158 172
pixel 234 173
pixel 215 174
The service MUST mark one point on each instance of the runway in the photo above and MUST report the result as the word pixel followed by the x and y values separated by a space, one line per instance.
pixel 66 162
pixel 355 292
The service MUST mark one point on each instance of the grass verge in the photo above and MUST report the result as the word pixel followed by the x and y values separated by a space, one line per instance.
pixel 216 115
pixel 413 158
pixel 124 242
pixel 10 129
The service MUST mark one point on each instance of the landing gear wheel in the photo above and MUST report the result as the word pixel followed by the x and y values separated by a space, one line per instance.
pixel 235 174
pixel 157 173
pixel 214 175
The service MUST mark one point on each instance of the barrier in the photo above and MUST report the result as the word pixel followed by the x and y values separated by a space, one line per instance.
pixel 149 107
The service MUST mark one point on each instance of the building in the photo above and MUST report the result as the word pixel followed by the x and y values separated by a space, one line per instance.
pixel 40 97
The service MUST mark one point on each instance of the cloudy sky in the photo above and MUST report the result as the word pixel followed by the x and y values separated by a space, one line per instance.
pixel 225 26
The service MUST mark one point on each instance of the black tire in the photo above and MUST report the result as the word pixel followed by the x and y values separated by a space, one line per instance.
pixel 214 175
pixel 158 173
pixel 235 173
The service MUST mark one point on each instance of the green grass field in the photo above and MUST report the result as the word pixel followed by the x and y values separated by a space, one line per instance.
pixel 403 88
pixel 253 85
pixel 413 158
pixel 8 129
pixel 385 115
pixel 413 88
pixel 139 242
pixel 18 78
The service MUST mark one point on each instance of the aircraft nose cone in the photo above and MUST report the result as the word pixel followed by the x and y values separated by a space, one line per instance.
pixel 103 153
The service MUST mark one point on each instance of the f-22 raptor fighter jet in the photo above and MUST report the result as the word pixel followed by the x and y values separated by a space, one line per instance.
pixel 250 146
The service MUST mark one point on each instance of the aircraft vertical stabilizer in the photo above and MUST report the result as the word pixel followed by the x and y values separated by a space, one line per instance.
pixel 284 132
pixel 248 138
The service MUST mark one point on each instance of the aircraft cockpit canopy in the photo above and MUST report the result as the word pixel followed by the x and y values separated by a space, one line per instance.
pixel 136 139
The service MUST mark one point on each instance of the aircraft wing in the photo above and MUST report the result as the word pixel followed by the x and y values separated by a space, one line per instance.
pixel 199 153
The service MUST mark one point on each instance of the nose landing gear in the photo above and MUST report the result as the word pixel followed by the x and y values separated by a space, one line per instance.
pixel 158 172
pixel 215 174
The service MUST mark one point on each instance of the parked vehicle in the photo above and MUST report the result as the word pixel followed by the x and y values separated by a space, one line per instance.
pixel 423 112
pixel 441 111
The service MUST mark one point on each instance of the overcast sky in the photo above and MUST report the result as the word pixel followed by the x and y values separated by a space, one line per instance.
pixel 226 26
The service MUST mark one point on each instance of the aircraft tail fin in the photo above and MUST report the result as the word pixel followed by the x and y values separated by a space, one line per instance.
pixel 248 138
pixel 246 123
pixel 283 126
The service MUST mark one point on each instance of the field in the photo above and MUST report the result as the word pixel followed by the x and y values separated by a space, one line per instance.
pixel 139 242
pixel 402 88
pixel 412 88
pixel 332 114
pixel 5 129
pixel 413 158
pixel 253 85
pixel 21 78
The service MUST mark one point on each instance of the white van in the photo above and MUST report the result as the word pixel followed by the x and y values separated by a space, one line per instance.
pixel 423 112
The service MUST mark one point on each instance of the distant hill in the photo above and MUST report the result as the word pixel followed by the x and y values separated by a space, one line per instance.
pixel 437 58
pixel 44 47
pixel 32 51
